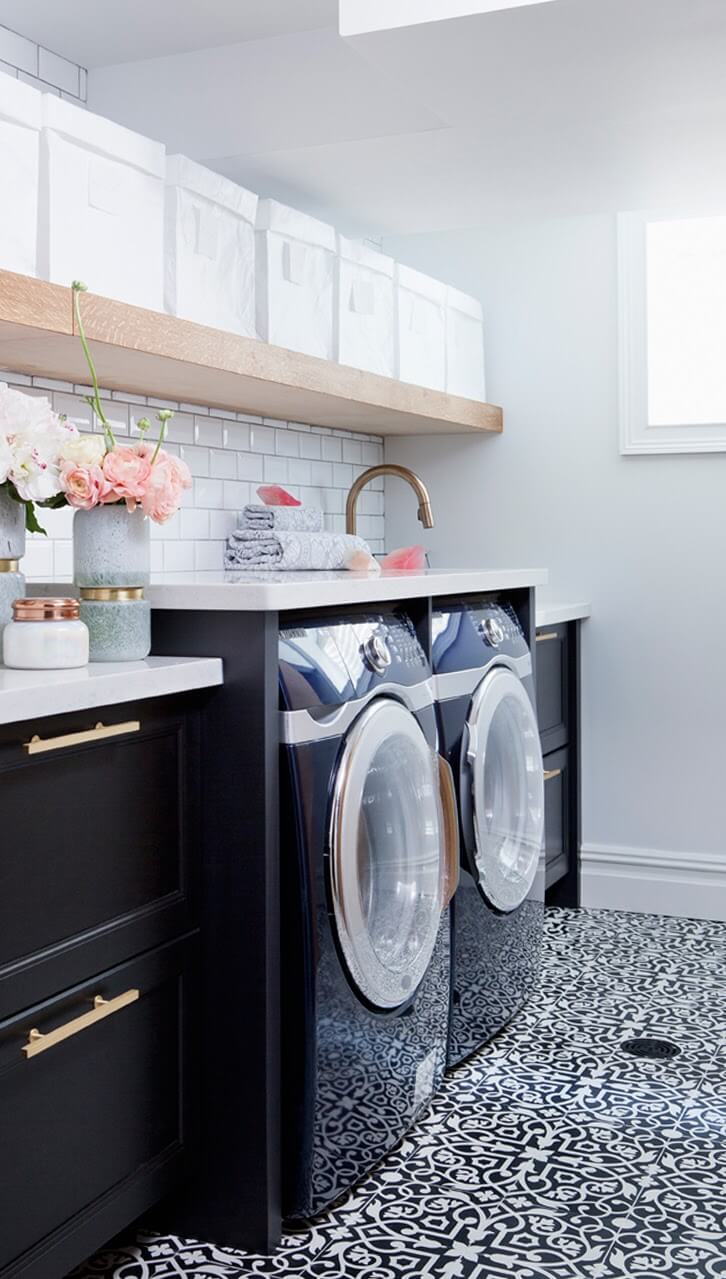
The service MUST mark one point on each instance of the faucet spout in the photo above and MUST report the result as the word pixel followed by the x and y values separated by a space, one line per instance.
pixel 425 514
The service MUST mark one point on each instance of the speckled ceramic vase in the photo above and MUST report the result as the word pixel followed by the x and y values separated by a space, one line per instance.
pixel 111 547
pixel 111 566
pixel 12 549
pixel 118 621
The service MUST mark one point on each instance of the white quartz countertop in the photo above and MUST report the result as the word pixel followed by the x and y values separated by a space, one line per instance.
pixel 259 592
pixel 552 612
pixel 31 694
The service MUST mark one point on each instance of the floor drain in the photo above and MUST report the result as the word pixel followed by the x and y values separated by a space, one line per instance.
pixel 654 1049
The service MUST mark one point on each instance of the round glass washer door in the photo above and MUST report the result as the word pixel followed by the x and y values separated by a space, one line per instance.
pixel 387 853
pixel 503 767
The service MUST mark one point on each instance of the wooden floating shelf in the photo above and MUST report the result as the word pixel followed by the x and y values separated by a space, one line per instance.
pixel 147 353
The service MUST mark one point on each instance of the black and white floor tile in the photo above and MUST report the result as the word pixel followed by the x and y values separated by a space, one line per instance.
pixel 550 1154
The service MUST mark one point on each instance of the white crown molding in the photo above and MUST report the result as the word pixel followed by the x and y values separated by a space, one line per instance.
pixel 691 885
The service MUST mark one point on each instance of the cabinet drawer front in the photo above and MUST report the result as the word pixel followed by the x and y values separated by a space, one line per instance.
pixel 95 835
pixel 101 1102
pixel 552 709
pixel 557 840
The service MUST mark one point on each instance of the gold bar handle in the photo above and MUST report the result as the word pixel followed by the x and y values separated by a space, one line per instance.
pixel 39 745
pixel 551 773
pixel 40 1043
pixel 547 635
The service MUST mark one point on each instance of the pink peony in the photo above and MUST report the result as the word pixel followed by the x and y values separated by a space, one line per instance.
pixel 84 486
pixel 168 478
pixel 127 472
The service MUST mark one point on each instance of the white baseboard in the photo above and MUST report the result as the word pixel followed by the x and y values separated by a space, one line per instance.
pixel 691 885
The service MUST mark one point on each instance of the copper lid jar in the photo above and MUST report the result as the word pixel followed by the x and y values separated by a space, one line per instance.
pixel 46 634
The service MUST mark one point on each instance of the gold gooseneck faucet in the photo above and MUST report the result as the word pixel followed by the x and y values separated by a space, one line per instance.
pixel 425 513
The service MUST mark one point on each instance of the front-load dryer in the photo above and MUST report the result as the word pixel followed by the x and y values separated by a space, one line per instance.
pixel 489 734
pixel 369 860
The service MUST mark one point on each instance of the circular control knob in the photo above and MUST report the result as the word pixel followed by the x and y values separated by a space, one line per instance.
pixel 493 632
pixel 376 654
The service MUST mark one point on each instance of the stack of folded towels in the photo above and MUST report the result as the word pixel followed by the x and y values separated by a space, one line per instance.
pixel 288 537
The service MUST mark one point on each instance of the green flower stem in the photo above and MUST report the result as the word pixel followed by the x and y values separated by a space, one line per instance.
pixel 162 418
pixel 95 400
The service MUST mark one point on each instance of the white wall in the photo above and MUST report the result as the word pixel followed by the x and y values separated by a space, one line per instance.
pixel 643 538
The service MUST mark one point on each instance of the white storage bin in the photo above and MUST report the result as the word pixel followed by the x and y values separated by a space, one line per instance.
pixel 365 308
pixel 295 279
pixel 20 118
pixel 101 215
pixel 209 257
pixel 420 328
pixel 464 345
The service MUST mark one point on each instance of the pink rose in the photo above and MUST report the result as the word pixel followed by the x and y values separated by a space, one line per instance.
pixel 169 477
pixel 84 486
pixel 127 472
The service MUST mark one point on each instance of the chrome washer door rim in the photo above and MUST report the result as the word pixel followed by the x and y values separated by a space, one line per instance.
pixel 382 986
pixel 505 891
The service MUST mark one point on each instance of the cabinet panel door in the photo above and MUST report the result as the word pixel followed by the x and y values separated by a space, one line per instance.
pixel 96 847
pixel 557 820
pixel 89 1115
pixel 552 700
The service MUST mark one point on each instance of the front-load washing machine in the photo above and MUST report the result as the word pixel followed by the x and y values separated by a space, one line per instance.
pixel 369 861
pixel 489 735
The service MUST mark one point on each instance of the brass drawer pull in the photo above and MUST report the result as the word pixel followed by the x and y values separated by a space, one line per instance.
pixel 39 1043
pixel 551 773
pixel 39 745
pixel 547 635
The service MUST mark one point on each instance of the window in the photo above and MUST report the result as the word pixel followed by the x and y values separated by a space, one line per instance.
pixel 672 304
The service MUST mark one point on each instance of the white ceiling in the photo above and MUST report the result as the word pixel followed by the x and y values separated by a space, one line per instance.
pixel 572 106
pixel 98 33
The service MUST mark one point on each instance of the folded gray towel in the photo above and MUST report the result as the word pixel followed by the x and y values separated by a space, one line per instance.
pixel 251 548
pixel 291 519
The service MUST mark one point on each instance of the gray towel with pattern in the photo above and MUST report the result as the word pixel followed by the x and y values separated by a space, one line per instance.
pixel 290 519
pixel 250 548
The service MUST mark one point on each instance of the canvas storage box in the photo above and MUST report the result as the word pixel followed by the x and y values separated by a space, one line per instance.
pixel 20 119
pixel 464 345
pixel 420 329
pixel 101 214
pixel 209 255
pixel 295 279
pixel 365 308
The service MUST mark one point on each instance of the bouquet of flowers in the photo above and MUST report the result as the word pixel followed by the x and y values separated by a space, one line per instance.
pixel 97 471
pixel 33 444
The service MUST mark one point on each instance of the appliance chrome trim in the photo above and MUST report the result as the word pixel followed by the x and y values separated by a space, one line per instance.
pixel 452 684
pixel 300 727
pixel 376 983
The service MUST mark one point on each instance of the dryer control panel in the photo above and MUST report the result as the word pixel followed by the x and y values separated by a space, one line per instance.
pixel 328 662
pixel 469 634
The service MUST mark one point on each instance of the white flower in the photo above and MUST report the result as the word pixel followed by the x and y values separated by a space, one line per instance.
pixel 32 440
pixel 84 450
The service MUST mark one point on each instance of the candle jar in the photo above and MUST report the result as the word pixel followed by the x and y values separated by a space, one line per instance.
pixel 119 623
pixel 45 635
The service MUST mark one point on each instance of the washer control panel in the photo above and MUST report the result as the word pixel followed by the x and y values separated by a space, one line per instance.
pixel 472 632
pixel 329 662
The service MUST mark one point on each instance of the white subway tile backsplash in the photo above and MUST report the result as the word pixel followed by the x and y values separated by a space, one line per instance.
pixel 229 457
pixel 236 495
pixel 262 439
pixel 6 69
pixel 197 459
pixel 223 464
pixel 249 467
pixel 332 449
pixel 208 432
pixel 236 435
pixel 287 443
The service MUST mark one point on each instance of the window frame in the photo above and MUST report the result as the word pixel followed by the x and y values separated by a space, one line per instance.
pixel 637 437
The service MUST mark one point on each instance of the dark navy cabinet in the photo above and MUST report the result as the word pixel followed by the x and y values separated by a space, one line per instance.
pixel 558 712
pixel 98 969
